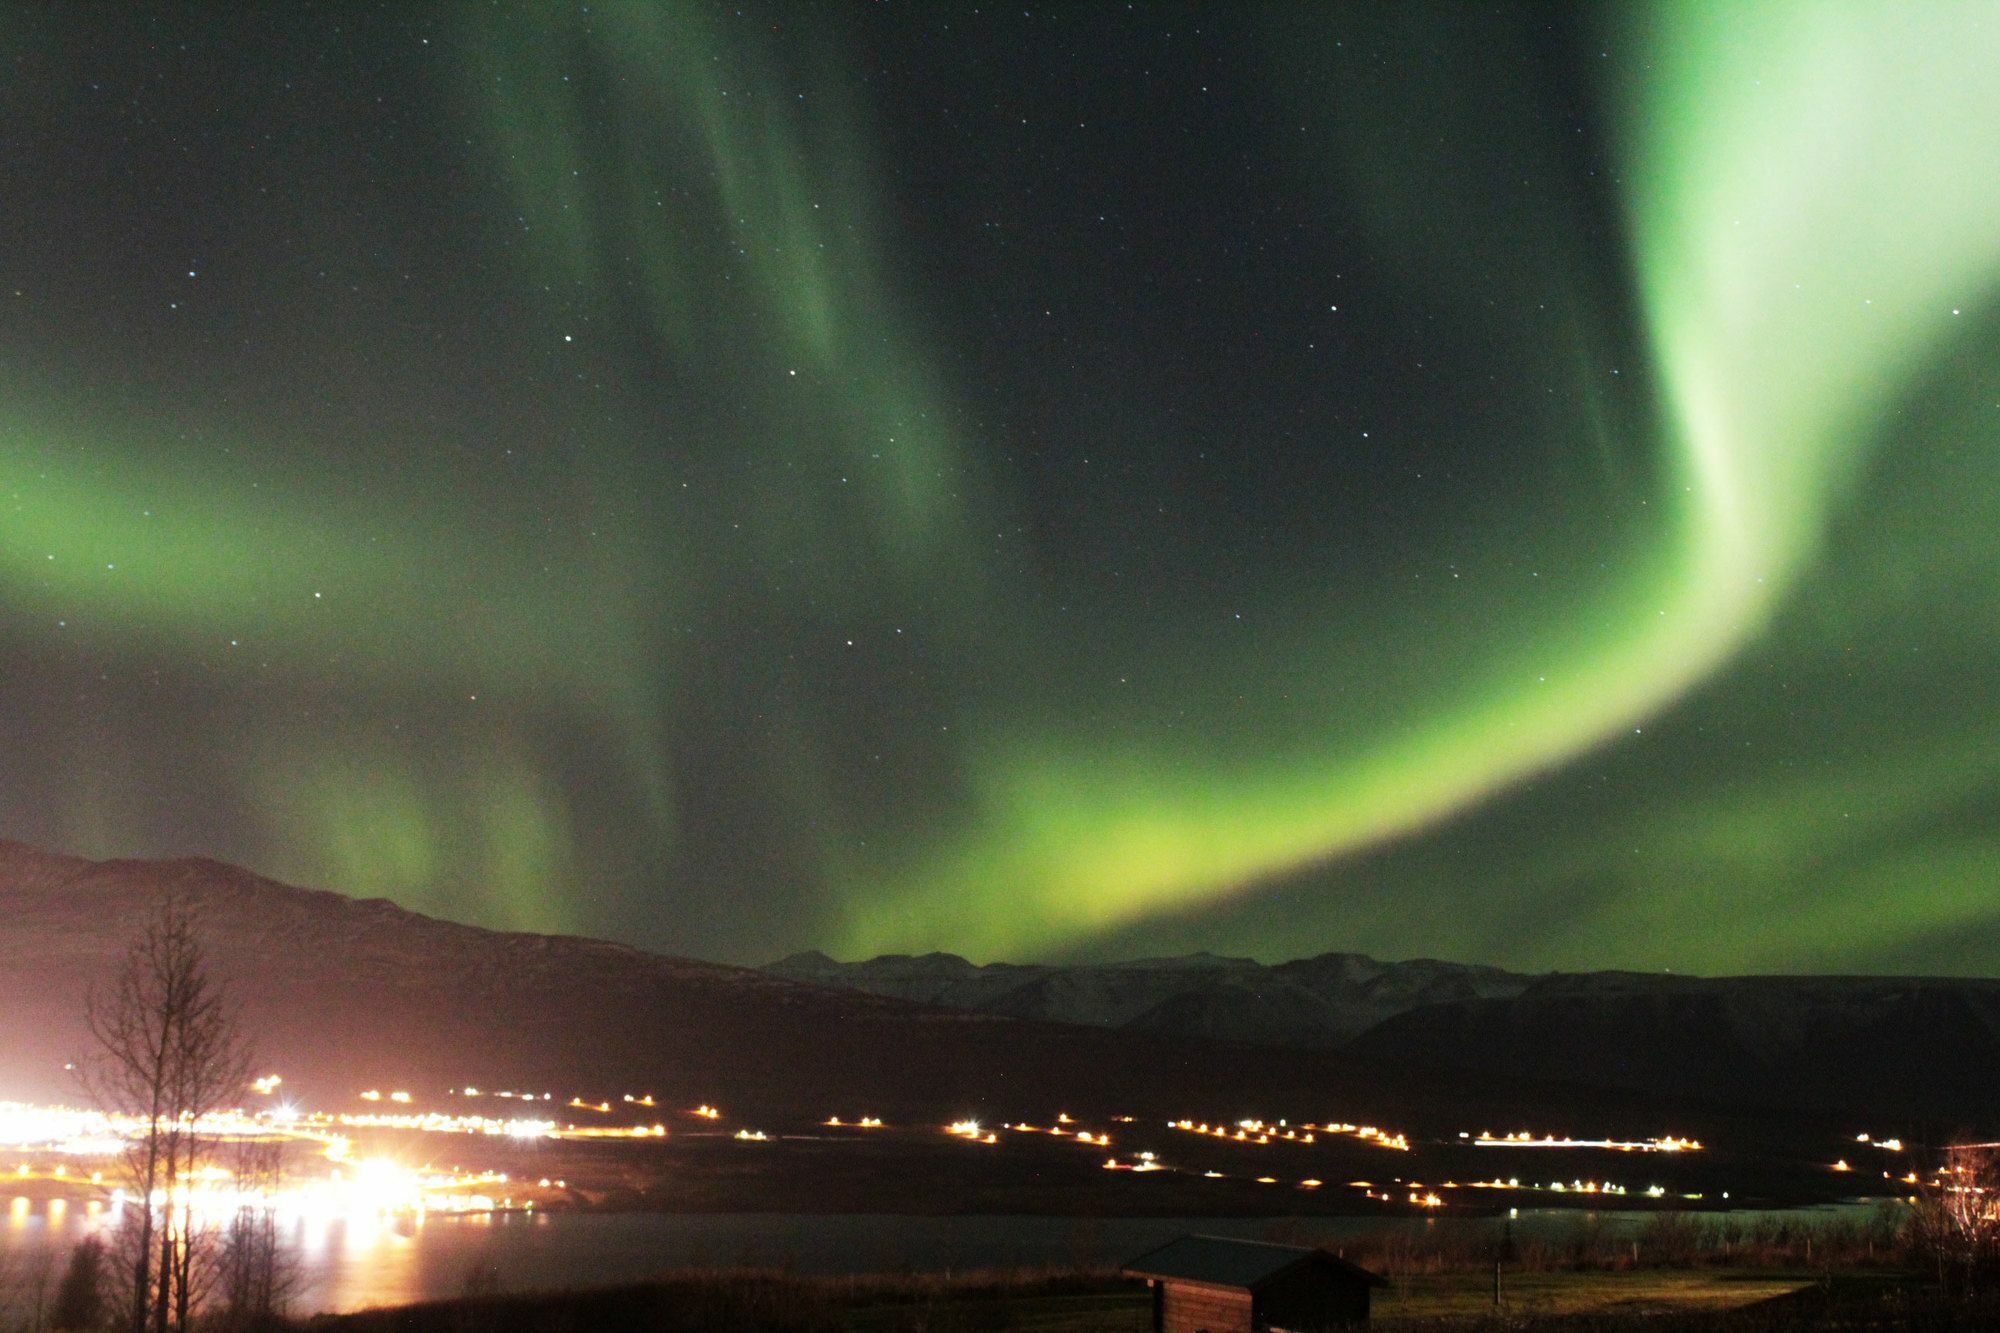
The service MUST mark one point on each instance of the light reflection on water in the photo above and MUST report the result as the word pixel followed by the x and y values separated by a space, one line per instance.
pixel 352 1263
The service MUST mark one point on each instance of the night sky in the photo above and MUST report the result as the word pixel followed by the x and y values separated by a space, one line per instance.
pixel 1070 483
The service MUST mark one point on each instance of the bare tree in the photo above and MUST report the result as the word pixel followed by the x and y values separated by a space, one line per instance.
pixel 255 1273
pixel 1957 1222
pixel 167 1054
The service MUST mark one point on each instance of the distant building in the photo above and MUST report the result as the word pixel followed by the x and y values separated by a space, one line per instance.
pixel 1210 1284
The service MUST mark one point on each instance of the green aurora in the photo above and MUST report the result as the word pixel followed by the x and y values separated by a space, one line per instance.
pixel 737 485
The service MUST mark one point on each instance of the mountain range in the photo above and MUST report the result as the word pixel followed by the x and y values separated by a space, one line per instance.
pixel 1310 1002
pixel 1924 1047
pixel 341 994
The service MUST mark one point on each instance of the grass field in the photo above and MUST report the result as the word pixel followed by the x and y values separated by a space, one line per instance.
pixel 1654 1291
pixel 1089 1312
pixel 1415 1300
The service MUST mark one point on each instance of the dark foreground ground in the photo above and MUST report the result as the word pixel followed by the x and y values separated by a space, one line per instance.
pixel 1665 1301
pixel 1679 1272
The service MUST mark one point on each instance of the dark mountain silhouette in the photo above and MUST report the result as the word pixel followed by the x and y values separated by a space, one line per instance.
pixel 1909 1047
pixel 1313 1002
pixel 1924 1049
pixel 340 995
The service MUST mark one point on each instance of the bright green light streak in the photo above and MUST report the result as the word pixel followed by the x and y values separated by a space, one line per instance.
pixel 138 554
pixel 1813 200
pixel 742 195
pixel 1812 196
pixel 1846 857
pixel 431 606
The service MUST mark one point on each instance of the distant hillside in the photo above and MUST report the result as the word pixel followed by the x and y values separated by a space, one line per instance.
pixel 1908 1047
pixel 1313 1002
pixel 1925 1049
pixel 341 995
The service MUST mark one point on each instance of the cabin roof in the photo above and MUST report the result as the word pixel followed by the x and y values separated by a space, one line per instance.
pixel 1224 1262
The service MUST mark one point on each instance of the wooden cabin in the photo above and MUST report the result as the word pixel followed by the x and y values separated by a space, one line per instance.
pixel 1211 1284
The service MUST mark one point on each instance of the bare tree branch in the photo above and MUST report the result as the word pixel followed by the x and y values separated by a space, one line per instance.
pixel 167 1053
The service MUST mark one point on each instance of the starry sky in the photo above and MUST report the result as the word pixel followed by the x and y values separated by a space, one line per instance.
pixel 1506 484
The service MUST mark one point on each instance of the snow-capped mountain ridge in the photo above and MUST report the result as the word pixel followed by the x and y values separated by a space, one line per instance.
pixel 1320 1001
